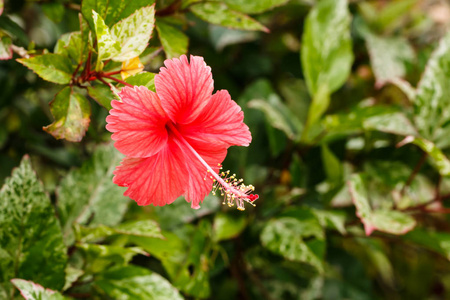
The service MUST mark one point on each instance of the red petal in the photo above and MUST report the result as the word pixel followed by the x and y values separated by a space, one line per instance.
pixel 156 180
pixel 138 123
pixel 184 88
pixel 221 123
pixel 198 188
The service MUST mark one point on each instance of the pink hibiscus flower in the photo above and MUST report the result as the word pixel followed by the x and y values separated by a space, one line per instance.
pixel 176 139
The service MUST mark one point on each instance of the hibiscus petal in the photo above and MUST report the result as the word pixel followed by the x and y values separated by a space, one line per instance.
pixel 221 123
pixel 138 122
pixel 157 180
pixel 184 88
pixel 200 182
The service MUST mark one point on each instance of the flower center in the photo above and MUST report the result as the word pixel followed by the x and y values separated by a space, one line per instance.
pixel 232 189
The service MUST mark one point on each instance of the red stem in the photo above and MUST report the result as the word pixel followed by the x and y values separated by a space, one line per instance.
pixel 112 73
pixel 115 79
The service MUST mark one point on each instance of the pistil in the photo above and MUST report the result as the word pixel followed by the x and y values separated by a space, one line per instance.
pixel 232 189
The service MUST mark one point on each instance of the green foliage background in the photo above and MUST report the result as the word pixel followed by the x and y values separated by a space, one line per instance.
pixel 349 107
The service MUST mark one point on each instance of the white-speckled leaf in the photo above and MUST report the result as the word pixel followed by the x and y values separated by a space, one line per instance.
pixel 88 196
pixel 107 46
pixel 32 291
pixel 432 102
pixel 133 33
pixel 390 221
pixel 31 244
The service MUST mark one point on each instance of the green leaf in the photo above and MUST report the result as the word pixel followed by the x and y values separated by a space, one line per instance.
pixel 71 112
pixel 367 118
pixel 331 219
pixel 51 67
pixel 100 257
pixel 254 7
pixel 173 40
pixel 30 237
pixel 108 47
pixel 279 116
pixel 390 221
pixel 73 46
pixel 286 236
pixel 436 241
pixel 5 48
pixel 146 79
pixel 388 56
pixel 332 165
pixel 14 30
pixel 102 94
pixel 88 195
pixel 326 52
pixel 32 291
pixel 142 228
pixel 219 14
pixel 178 213
pixel 226 226
pixel 432 116
pixel 131 282
pixel 72 275
pixel 222 37
pixel 111 10
pixel 438 158
pixel 184 259
pixel 394 122
pixel 133 33
pixel 389 16
pixel 54 11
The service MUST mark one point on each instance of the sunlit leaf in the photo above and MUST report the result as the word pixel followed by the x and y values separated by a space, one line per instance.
pixel 51 67
pixel 111 11
pixel 71 111
pixel 326 51
pixel 219 14
pixel 108 46
pixel 72 45
pixel 30 237
pixel 133 33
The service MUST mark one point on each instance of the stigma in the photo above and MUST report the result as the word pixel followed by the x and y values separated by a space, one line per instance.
pixel 232 189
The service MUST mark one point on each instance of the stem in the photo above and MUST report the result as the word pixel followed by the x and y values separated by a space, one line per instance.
pixel 112 73
pixel 169 10
pixel 115 79
pixel 414 172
